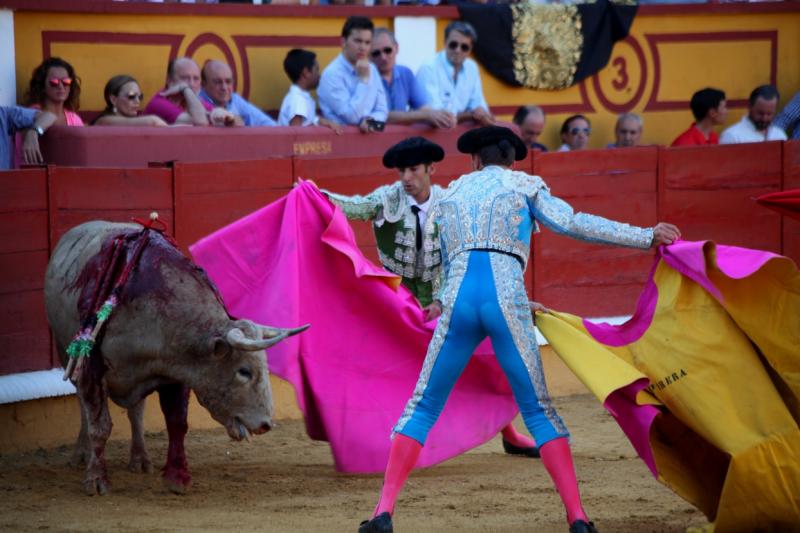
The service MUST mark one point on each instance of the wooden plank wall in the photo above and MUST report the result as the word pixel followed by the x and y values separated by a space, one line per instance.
pixel 209 196
pixel 708 192
pixel 24 249
pixel 791 180
pixel 588 279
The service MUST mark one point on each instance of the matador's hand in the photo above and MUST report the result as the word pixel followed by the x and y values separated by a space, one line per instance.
pixel 664 233
pixel 434 310
pixel 536 306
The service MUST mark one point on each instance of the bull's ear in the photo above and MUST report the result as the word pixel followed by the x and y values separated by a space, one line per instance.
pixel 222 347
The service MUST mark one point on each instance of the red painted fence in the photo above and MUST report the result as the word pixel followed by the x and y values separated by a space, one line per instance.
pixel 708 192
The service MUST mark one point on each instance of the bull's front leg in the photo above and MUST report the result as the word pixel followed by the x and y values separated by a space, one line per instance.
pixel 175 406
pixel 140 460
pixel 80 455
pixel 93 396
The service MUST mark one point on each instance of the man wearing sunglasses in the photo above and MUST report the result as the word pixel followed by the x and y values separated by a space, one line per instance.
pixel 575 133
pixel 452 81
pixel 406 99
pixel 33 123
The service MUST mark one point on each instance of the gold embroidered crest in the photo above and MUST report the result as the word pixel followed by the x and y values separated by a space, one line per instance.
pixel 547 44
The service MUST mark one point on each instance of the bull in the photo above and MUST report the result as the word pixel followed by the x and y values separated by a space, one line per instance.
pixel 170 333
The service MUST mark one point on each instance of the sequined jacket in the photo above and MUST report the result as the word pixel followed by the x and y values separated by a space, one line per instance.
pixel 395 229
pixel 498 209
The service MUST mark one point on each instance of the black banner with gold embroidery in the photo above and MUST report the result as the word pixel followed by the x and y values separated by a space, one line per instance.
pixel 547 46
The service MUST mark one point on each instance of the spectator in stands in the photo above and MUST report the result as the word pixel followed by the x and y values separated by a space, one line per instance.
pixel 217 89
pixel 298 107
pixel 350 90
pixel 530 119
pixel 451 79
pixel 179 102
pixel 756 125
pixel 55 87
pixel 575 132
pixel 32 123
pixel 406 99
pixel 123 99
pixel 709 109
pixel 628 131
pixel 789 119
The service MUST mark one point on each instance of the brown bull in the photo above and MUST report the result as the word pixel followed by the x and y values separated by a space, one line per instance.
pixel 168 333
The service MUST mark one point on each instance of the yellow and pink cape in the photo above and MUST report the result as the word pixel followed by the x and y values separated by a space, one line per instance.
pixel 704 380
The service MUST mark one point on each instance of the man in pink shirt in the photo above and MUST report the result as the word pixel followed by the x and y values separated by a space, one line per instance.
pixel 178 103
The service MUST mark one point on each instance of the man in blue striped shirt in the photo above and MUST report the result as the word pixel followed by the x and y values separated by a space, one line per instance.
pixel 406 98
pixel 789 119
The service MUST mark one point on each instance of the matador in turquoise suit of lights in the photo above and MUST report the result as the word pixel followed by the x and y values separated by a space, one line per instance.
pixel 485 221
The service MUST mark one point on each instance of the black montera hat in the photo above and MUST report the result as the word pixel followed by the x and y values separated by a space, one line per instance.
pixel 412 151
pixel 474 140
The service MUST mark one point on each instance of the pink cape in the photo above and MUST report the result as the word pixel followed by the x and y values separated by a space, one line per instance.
pixel 295 261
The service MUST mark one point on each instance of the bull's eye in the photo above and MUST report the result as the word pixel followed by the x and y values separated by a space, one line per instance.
pixel 244 374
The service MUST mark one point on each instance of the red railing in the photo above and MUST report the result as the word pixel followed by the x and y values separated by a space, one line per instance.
pixel 707 191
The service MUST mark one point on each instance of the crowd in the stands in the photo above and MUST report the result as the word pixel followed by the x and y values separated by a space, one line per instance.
pixel 364 87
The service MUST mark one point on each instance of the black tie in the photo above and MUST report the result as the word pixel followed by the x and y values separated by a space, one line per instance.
pixel 415 209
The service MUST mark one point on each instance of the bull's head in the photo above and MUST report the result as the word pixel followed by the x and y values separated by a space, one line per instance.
pixel 241 397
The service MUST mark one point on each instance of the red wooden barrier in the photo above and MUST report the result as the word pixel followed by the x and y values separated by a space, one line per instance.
pixel 589 279
pixel 349 175
pixel 209 196
pixel 110 146
pixel 118 195
pixel 791 180
pixel 24 334
pixel 709 191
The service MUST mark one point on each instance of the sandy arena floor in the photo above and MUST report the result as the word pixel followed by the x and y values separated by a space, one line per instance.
pixel 282 481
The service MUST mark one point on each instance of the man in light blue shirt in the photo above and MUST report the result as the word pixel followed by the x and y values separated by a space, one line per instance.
pixel 218 90
pixel 452 81
pixel 350 90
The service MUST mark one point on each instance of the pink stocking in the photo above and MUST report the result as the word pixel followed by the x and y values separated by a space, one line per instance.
pixel 511 435
pixel 403 456
pixel 557 460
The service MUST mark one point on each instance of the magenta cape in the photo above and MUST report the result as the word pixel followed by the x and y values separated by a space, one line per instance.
pixel 294 262
pixel 704 380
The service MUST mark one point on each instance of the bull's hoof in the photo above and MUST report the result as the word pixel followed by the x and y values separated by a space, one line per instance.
pixel 96 486
pixel 140 464
pixel 177 481
pixel 176 488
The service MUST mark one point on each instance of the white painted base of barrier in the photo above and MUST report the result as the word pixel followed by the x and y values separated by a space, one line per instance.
pixel 34 385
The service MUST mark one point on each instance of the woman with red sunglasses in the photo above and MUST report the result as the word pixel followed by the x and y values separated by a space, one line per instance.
pixel 54 87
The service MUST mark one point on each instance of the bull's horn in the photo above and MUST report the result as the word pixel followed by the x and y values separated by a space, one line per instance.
pixel 269 331
pixel 237 339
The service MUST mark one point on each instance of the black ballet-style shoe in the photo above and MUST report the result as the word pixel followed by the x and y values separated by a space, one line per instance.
pixel 582 526
pixel 510 449
pixel 380 524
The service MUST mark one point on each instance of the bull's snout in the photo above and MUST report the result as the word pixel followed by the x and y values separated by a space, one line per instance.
pixel 263 428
